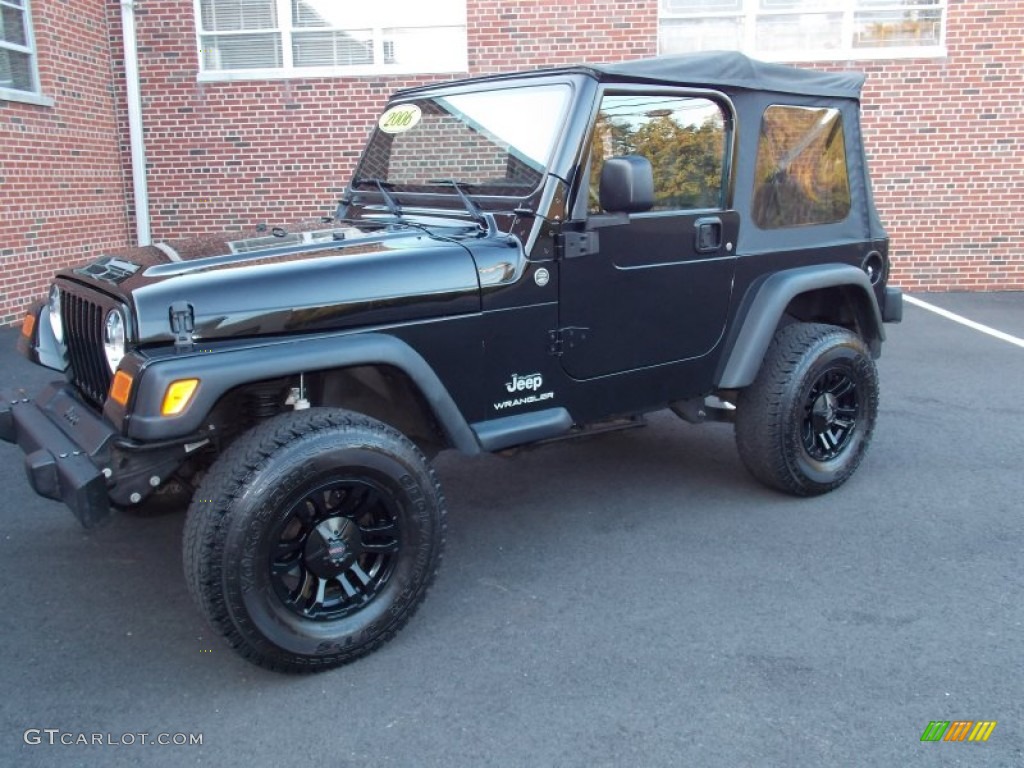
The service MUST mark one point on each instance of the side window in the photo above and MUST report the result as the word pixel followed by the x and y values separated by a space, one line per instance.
pixel 683 137
pixel 18 71
pixel 801 176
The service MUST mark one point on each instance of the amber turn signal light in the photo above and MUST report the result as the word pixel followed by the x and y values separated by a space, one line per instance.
pixel 178 396
pixel 121 388
pixel 28 325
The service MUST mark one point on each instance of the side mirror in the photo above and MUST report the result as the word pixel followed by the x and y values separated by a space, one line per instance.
pixel 627 184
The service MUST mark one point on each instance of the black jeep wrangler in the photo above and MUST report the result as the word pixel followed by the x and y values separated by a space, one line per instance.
pixel 518 258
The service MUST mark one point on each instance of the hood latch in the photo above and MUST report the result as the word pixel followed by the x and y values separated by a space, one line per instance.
pixel 182 325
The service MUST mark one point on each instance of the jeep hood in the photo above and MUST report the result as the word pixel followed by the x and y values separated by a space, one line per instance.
pixel 303 279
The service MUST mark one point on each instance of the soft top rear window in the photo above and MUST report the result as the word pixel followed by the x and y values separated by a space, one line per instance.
pixel 801 176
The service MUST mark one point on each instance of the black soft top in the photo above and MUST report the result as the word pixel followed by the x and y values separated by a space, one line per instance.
pixel 708 69
pixel 734 70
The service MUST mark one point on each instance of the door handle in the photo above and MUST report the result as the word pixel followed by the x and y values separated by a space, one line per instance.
pixel 708 235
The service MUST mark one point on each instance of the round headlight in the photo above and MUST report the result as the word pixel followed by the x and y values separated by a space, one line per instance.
pixel 56 323
pixel 114 338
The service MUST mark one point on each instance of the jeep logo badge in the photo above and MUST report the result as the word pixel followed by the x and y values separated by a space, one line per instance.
pixel 532 381
pixel 71 416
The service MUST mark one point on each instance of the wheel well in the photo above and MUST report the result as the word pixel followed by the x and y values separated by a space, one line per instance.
pixel 842 305
pixel 387 394
pixel 833 294
pixel 381 392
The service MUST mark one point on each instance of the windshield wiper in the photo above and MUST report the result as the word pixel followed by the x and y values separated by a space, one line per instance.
pixel 393 207
pixel 481 218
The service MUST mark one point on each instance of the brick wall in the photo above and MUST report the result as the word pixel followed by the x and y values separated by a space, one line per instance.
pixel 505 35
pixel 230 154
pixel 62 191
pixel 946 136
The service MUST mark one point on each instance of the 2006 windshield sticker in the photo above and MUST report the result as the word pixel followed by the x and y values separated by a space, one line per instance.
pixel 400 119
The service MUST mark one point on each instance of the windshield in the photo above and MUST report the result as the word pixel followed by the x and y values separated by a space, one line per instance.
pixel 495 142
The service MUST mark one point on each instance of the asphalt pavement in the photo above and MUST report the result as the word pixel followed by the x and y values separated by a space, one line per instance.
pixel 630 599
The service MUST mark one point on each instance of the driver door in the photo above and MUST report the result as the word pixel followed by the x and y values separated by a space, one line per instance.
pixel 653 288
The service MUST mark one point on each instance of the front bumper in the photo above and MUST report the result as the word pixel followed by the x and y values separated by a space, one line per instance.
pixel 67 449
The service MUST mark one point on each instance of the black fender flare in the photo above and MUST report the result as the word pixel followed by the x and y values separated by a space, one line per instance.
pixel 768 304
pixel 219 371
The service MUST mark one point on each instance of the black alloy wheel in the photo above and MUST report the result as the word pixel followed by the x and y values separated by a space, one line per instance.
pixel 335 550
pixel 313 539
pixel 831 412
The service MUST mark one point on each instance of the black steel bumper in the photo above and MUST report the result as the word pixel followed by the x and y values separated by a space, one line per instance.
pixel 66 447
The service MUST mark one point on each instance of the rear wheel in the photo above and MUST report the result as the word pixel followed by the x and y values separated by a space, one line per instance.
pixel 804 424
pixel 313 540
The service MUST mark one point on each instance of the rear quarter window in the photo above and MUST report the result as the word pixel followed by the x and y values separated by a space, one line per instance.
pixel 801 177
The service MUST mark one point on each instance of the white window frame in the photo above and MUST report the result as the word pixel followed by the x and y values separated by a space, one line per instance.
pixel 751 10
pixel 289 71
pixel 35 96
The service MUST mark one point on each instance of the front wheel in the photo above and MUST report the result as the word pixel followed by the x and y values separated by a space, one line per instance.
pixel 313 539
pixel 804 424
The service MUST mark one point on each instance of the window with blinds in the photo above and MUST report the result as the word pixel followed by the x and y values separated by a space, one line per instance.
pixel 296 38
pixel 18 73
pixel 805 30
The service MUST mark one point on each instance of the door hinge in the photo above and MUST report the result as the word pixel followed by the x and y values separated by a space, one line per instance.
pixel 182 325
pixel 571 245
pixel 562 339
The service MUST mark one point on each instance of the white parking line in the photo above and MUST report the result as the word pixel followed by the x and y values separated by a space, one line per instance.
pixel 964 321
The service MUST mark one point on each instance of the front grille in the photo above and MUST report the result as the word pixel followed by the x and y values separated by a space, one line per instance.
pixel 83 335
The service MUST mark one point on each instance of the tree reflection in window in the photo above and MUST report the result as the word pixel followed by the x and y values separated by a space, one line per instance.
pixel 801 176
pixel 684 139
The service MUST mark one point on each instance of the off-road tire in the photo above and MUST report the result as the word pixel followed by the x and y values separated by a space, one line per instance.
pixel 793 424
pixel 290 521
